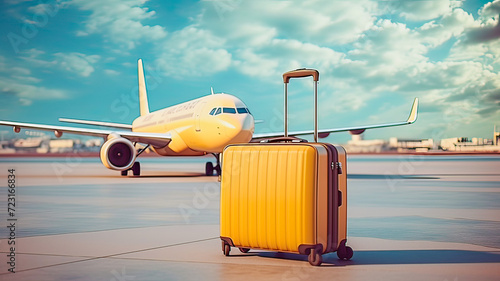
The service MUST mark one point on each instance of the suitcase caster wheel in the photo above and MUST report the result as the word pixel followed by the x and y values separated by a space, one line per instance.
pixel 244 250
pixel 227 250
pixel 345 253
pixel 315 258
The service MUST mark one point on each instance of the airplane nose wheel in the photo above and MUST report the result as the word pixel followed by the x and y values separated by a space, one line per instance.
pixel 210 168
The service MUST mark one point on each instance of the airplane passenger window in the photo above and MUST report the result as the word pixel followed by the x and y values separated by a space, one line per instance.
pixel 218 111
pixel 229 110
pixel 241 110
pixel 213 111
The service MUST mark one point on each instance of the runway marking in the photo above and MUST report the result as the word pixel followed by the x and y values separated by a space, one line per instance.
pixel 107 256
pixel 99 230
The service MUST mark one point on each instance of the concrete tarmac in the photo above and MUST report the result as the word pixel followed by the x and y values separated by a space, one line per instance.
pixel 410 218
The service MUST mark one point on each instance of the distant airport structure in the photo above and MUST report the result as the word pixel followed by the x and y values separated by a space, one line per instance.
pixel 359 145
pixel 466 144
pixel 459 144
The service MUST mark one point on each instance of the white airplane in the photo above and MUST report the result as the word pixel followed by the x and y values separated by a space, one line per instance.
pixel 194 128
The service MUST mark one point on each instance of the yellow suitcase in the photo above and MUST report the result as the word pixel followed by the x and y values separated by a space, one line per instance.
pixel 284 196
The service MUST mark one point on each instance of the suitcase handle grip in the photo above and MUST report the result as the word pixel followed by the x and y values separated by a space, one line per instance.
pixel 302 72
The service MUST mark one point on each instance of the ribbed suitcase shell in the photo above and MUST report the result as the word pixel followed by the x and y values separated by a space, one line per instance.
pixel 283 197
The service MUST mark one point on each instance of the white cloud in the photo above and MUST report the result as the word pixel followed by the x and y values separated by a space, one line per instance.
pixel 328 22
pixel 386 49
pixel 20 70
pixel 78 63
pixel 111 72
pixel 452 24
pixel 17 83
pixel 25 102
pixel 480 41
pixel 46 8
pixel 490 10
pixel 192 51
pixel 391 59
pixel 256 65
pixel 488 27
pixel 260 39
pixel 417 10
pixel 74 62
pixel 120 21
pixel 281 55
pixel 29 92
pixel 449 76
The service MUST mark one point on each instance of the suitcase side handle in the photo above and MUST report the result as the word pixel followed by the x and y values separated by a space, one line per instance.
pixel 298 73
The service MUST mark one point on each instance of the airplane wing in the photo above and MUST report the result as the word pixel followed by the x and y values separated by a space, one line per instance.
pixel 154 139
pixel 354 130
pixel 97 123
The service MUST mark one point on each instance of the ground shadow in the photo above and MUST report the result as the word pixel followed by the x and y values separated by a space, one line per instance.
pixel 395 257
pixel 385 177
pixel 420 257
pixel 160 175
pixel 171 175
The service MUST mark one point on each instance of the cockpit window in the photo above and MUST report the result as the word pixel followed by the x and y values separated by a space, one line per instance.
pixel 242 110
pixel 229 110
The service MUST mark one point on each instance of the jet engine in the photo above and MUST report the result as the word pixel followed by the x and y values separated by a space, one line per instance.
pixel 118 153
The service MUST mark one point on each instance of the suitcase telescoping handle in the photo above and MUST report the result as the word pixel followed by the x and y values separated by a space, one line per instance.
pixel 298 73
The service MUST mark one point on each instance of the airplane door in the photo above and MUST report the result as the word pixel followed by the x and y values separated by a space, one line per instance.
pixel 198 116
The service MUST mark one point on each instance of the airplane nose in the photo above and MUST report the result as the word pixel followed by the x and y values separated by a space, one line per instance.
pixel 248 123
pixel 240 128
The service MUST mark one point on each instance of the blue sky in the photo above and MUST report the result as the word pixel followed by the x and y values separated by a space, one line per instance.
pixel 78 59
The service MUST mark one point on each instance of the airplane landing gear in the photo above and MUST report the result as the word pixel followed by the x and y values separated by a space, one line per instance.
pixel 136 170
pixel 209 167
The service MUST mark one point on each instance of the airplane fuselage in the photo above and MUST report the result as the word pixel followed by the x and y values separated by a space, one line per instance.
pixel 200 126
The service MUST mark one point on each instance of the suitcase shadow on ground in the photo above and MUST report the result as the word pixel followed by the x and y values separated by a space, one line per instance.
pixel 328 259
pixel 385 177
pixel 393 257
pixel 416 257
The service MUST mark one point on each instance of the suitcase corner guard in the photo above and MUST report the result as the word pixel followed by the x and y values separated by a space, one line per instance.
pixel 227 241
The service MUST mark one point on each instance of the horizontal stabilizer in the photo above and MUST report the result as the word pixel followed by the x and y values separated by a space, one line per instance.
pixel 96 123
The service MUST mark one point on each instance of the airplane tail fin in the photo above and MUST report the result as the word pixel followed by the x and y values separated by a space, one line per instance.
pixel 143 95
